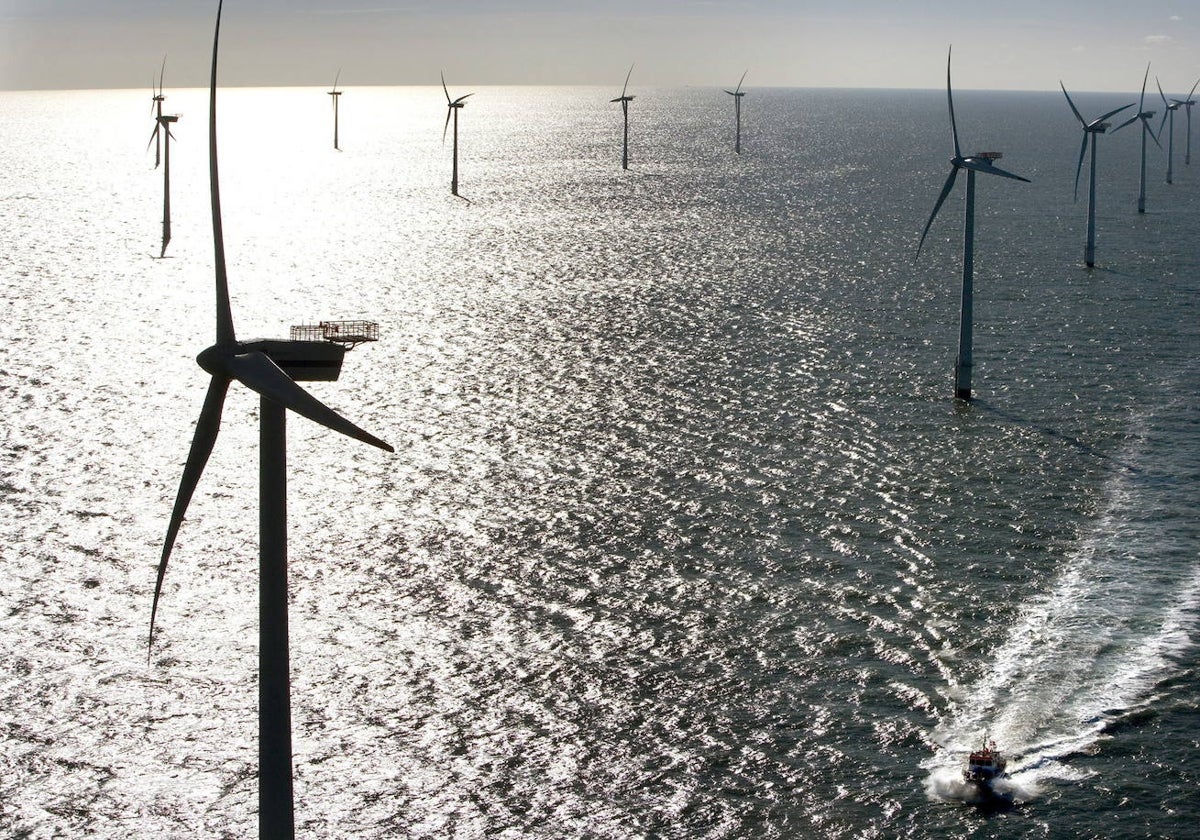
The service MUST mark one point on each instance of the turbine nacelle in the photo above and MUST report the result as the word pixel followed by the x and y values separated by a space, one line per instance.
pixel 622 99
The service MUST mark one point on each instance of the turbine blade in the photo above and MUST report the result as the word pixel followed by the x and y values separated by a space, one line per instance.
pixel 445 128
pixel 444 90
pixel 1142 97
pixel 1129 121
pixel 739 84
pixel 990 169
pixel 1113 111
pixel 1160 92
pixel 1074 110
pixel 461 98
pixel 161 71
pixel 1163 124
pixel 950 101
pixel 946 188
pixel 625 86
pixel 257 372
pixel 1079 166
pixel 202 446
pixel 153 135
pixel 336 77
pixel 225 334
pixel 1153 136
pixel 1193 90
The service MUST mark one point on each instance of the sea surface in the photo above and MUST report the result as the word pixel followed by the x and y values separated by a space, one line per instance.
pixel 684 535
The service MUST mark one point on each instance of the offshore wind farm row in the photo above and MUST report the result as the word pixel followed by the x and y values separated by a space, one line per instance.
pixel 455 105
pixel 981 162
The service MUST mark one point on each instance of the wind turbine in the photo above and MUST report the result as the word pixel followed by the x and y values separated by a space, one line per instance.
pixel 156 101
pixel 1090 131
pixel 271 368
pixel 1172 106
pixel 161 137
pixel 452 109
pixel 737 94
pixel 625 100
pixel 1187 110
pixel 980 162
pixel 164 122
pixel 1145 117
pixel 336 94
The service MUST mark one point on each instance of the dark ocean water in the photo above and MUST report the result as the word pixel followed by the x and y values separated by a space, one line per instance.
pixel 684 536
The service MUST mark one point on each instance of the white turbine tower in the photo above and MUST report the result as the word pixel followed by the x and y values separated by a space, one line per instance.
pixel 452 109
pixel 737 94
pixel 269 368
pixel 625 100
pixel 1187 110
pixel 1144 117
pixel 337 95
pixel 1091 130
pixel 1168 121
pixel 980 162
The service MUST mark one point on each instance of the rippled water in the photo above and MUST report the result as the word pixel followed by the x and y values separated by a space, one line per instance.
pixel 683 537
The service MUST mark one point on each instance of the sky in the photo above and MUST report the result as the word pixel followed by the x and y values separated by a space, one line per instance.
pixel 1092 45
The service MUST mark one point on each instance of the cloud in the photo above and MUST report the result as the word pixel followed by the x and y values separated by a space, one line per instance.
pixel 1176 18
pixel 1154 40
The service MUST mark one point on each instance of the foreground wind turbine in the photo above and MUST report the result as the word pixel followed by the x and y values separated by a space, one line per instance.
pixel 980 162
pixel 270 368
pixel 1187 110
pixel 452 109
pixel 336 94
pixel 737 94
pixel 156 101
pixel 1090 131
pixel 625 100
pixel 1168 117
pixel 1144 117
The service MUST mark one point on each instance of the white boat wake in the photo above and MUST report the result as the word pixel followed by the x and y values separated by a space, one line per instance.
pixel 1095 647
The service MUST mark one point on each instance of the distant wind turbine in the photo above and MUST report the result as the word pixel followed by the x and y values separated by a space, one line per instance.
pixel 737 94
pixel 270 368
pixel 452 109
pixel 1187 110
pixel 161 138
pixel 981 162
pixel 337 95
pixel 1168 117
pixel 1144 117
pixel 156 101
pixel 625 100
pixel 1090 131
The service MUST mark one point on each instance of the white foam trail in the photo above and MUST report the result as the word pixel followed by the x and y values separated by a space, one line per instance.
pixel 1095 646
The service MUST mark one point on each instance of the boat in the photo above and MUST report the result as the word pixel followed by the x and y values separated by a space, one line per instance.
pixel 985 764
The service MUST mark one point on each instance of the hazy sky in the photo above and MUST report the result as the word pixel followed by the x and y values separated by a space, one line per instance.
pixel 1002 44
